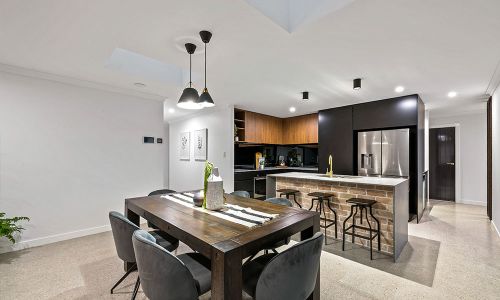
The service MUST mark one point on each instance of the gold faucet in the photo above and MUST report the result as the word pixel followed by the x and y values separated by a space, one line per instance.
pixel 330 162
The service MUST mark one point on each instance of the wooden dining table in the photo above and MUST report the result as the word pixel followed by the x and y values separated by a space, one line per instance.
pixel 224 242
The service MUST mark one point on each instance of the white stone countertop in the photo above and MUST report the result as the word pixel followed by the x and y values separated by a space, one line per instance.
pixel 386 181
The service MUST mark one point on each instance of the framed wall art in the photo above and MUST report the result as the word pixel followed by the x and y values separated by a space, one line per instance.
pixel 184 145
pixel 200 144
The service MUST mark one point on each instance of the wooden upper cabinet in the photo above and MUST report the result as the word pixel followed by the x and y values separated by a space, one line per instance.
pixel 300 130
pixel 264 129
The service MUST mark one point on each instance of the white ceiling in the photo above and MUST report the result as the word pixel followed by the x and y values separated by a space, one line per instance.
pixel 428 46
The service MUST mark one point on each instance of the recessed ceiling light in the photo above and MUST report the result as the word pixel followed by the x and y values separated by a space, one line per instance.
pixel 171 110
pixel 399 89
pixel 292 109
pixel 139 84
pixel 452 94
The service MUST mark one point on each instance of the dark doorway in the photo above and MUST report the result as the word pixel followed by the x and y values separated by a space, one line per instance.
pixel 442 163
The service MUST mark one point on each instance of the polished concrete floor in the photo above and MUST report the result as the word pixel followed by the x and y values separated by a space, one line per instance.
pixel 454 253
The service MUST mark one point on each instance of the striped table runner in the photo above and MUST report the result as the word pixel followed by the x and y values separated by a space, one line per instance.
pixel 234 213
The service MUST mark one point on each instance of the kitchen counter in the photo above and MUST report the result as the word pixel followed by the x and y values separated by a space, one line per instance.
pixel 307 169
pixel 391 208
pixel 343 178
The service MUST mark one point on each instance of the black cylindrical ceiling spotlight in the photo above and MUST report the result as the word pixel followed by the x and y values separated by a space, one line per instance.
pixel 305 96
pixel 356 84
pixel 190 98
pixel 205 98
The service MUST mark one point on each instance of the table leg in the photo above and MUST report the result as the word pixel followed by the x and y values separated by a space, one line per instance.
pixel 226 275
pixel 134 218
pixel 305 234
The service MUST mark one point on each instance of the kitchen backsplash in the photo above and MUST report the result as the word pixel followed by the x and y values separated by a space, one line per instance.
pixel 292 156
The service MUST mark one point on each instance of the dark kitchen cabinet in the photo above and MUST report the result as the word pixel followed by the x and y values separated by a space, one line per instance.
pixel 245 181
pixel 335 137
pixel 338 129
pixel 389 113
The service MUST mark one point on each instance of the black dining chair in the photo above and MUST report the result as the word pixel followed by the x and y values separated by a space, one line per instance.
pixel 278 201
pixel 243 194
pixel 289 275
pixel 123 230
pixel 165 276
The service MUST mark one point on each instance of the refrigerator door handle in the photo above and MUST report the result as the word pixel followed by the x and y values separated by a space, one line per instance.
pixel 367 159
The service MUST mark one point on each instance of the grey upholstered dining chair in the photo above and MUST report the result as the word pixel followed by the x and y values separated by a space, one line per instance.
pixel 165 276
pixel 159 192
pixel 284 202
pixel 123 230
pixel 278 201
pixel 243 194
pixel 289 275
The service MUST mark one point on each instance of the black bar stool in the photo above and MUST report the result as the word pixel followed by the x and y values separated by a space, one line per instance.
pixel 362 204
pixel 321 198
pixel 288 193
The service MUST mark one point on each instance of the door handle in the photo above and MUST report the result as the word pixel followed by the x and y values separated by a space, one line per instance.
pixel 450 164
pixel 367 159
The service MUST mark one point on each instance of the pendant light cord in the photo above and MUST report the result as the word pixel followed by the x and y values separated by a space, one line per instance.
pixel 205 65
pixel 189 69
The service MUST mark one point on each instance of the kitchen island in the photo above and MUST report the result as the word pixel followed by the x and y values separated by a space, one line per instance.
pixel 391 208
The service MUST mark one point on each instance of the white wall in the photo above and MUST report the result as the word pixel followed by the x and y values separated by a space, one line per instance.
pixel 188 175
pixel 69 155
pixel 472 164
pixel 495 108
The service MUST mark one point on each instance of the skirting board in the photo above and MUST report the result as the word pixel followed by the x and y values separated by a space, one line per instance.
pixel 471 202
pixel 8 247
pixel 53 239
pixel 496 228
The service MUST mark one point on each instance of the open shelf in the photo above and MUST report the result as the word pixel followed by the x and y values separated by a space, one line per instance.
pixel 239 124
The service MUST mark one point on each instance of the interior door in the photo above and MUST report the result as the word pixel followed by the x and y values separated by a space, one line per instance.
pixel 442 163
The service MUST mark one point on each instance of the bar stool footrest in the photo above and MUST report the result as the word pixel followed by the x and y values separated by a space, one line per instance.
pixel 332 222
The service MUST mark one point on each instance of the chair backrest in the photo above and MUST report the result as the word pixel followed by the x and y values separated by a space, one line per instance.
pixel 291 274
pixel 122 230
pixel 243 194
pixel 161 192
pixel 280 201
pixel 163 275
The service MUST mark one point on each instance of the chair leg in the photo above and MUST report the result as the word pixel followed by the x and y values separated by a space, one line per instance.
pixel 378 227
pixel 322 209
pixel 274 251
pixel 354 223
pixel 130 270
pixel 343 228
pixel 335 216
pixel 136 288
pixel 295 199
pixel 312 204
pixel 371 241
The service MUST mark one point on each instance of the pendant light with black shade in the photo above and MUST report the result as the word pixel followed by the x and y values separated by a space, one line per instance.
pixel 190 98
pixel 205 98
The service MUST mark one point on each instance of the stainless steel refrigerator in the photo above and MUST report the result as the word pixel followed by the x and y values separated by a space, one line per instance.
pixel 384 153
